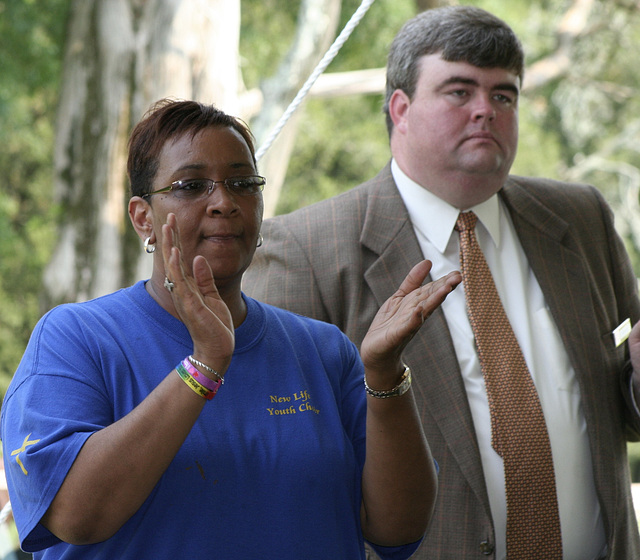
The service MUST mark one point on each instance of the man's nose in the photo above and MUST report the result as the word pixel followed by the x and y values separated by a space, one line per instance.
pixel 483 109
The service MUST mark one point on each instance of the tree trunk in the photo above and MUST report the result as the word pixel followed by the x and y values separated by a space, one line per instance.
pixel 121 56
pixel 316 29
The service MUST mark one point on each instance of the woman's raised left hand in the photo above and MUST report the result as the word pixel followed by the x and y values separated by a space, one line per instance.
pixel 401 316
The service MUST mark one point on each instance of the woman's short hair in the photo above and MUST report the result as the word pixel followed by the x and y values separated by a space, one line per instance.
pixel 168 119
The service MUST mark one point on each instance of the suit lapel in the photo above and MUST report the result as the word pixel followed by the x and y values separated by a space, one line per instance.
pixel 438 385
pixel 561 273
pixel 565 282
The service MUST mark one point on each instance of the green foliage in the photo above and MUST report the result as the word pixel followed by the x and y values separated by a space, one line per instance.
pixel 593 113
pixel 267 28
pixel 368 45
pixel 352 152
pixel 30 57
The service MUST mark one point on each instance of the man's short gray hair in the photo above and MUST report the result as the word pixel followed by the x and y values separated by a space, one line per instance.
pixel 459 34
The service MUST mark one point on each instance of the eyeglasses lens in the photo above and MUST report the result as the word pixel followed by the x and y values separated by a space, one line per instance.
pixel 197 188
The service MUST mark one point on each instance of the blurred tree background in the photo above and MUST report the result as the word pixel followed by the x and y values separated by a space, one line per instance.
pixel 579 118
pixel 31 41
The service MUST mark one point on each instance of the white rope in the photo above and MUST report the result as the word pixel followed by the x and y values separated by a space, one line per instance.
pixel 319 69
pixel 6 511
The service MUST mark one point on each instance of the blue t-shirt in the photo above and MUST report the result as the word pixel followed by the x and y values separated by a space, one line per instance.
pixel 271 469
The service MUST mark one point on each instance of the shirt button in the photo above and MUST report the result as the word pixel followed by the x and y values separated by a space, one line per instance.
pixel 486 548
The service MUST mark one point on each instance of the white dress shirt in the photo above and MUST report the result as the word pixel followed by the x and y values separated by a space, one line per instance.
pixel 433 220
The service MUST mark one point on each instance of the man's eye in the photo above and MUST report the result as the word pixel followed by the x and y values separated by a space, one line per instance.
pixel 505 99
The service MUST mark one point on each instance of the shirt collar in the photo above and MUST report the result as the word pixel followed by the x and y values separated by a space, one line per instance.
pixel 435 218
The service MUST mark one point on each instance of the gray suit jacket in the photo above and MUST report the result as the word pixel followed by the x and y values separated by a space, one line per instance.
pixel 340 259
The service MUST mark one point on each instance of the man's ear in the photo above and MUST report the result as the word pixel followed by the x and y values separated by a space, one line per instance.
pixel 141 216
pixel 399 104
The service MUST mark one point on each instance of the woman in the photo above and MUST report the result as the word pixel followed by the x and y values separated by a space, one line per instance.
pixel 113 448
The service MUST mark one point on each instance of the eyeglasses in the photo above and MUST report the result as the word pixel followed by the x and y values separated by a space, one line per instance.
pixel 194 189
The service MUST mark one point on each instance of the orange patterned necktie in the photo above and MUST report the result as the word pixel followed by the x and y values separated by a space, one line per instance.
pixel 518 430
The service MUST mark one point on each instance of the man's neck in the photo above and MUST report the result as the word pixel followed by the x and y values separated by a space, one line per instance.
pixel 459 189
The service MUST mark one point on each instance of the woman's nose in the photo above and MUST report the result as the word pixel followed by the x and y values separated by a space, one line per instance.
pixel 221 201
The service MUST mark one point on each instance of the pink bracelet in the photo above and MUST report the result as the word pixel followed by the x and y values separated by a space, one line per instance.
pixel 202 366
pixel 193 384
pixel 201 377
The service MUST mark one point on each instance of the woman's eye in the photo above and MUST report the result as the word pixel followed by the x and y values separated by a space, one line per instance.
pixel 246 185
pixel 191 187
pixel 240 183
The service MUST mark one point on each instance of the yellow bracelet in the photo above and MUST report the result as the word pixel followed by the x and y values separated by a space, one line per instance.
pixel 194 384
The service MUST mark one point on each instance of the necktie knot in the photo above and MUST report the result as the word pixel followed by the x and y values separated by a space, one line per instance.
pixel 466 221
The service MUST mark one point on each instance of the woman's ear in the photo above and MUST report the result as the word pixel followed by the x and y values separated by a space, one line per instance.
pixel 141 216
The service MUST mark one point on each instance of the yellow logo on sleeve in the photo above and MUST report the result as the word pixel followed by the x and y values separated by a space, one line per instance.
pixel 27 442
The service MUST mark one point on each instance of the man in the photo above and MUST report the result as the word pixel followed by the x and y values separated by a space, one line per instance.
pixel 564 279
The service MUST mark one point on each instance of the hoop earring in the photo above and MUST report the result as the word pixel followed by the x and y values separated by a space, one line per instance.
pixel 149 247
pixel 260 240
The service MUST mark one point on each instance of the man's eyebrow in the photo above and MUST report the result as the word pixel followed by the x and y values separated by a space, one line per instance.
pixel 457 80
pixel 507 86
pixel 462 80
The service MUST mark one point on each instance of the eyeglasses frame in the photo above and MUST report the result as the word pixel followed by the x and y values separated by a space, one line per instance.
pixel 171 187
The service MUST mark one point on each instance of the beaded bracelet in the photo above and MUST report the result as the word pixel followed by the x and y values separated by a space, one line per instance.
pixel 194 384
pixel 400 389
